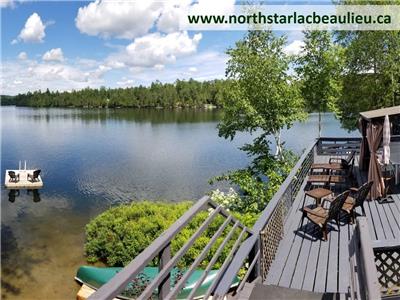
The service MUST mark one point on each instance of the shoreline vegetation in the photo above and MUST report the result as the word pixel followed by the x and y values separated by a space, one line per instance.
pixel 181 94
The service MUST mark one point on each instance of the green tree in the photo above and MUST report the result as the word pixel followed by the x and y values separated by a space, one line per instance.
pixel 319 67
pixel 262 95
pixel 372 71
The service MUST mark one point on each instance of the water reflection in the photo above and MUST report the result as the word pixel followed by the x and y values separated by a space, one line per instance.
pixel 95 158
pixel 14 193
pixel 154 116
pixel 35 195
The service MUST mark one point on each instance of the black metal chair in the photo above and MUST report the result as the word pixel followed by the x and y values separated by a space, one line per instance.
pixel 13 176
pixel 35 176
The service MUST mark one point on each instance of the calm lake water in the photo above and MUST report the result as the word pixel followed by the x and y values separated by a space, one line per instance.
pixel 93 159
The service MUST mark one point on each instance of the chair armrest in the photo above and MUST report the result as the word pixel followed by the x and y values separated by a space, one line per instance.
pixel 353 189
pixel 310 211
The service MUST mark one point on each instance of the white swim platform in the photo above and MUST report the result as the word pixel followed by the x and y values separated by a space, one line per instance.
pixel 22 181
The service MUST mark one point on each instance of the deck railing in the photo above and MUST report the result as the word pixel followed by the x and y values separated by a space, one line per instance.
pixel 363 269
pixel 338 145
pixel 260 249
pixel 161 249
pixel 387 262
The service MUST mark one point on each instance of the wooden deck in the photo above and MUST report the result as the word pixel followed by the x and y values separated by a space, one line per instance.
pixel 305 262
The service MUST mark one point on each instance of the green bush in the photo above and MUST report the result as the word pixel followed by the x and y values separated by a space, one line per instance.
pixel 118 235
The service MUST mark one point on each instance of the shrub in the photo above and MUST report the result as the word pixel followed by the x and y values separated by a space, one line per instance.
pixel 119 234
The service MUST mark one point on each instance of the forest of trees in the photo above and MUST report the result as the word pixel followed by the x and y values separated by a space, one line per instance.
pixel 189 93
pixel 343 72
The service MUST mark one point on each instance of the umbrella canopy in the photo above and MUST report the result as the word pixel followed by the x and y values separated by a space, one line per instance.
pixel 386 140
pixel 374 137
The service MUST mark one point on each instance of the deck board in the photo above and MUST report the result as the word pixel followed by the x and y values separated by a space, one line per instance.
pixel 322 267
pixel 389 208
pixel 376 220
pixel 298 276
pixel 305 262
pixel 333 263
pixel 312 263
pixel 343 259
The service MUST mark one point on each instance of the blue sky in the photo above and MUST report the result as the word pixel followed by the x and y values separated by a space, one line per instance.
pixel 73 45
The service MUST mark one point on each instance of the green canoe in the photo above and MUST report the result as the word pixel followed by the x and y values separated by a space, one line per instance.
pixel 96 277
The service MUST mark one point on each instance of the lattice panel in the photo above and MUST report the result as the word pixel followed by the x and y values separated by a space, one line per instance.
pixel 270 238
pixel 387 263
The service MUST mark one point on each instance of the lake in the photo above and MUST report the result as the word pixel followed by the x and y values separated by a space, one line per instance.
pixel 93 159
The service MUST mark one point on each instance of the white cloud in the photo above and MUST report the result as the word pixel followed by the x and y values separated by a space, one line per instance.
pixel 210 65
pixel 33 31
pixel 50 72
pixel 294 48
pixel 174 11
pixel 159 67
pixel 128 20
pixel 53 75
pixel 125 82
pixel 53 55
pixel 115 64
pixel 21 76
pixel 22 56
pixel 118 19
pixel 158 49
pixel 7 3
pixel 171 14
pixel 100 71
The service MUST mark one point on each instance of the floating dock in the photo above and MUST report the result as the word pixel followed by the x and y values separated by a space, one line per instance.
pixel 24 179
pixel 23 182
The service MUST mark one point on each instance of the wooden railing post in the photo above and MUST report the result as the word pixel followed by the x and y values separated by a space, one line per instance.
pixel 165 286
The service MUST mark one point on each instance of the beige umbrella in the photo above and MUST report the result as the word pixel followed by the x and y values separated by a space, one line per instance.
pixel 386 140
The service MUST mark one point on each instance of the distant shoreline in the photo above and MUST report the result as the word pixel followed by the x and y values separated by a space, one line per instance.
pixel 202 107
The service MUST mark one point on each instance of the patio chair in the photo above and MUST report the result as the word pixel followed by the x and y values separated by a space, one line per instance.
pixel 336 164
pixel 346 164
pixel 13 176
pixel 355 199
pixel 34 176
pixel 321 216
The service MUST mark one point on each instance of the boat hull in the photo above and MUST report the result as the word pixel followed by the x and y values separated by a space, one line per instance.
pixel 95 277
